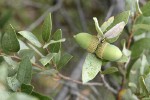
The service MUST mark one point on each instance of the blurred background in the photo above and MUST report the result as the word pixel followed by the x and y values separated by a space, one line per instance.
pixel 72 16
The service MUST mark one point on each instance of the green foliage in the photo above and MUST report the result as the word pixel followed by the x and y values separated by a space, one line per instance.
pixel 109 70
pixel 124 16
pixel 24 73
pixel 107 23
pixel 12 65
pixel 30 37
pixel 113 34
pixel 28 56
pixel 41 97
pixel 91 67
pixel 64 60
pixel 13 83
pixel 45 60
pixel 47 28
pixel 146 9
pixel 56 46
pixel 9 40
pixel 26 53
pixel 98 29
pixel 22 96
pixel 139 46
pixel 26 88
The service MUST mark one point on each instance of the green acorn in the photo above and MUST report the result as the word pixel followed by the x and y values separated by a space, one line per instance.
pixel 87 41
pixel 108 52
pixel 102 50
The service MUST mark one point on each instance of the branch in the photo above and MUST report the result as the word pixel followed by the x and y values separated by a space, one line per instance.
pixel 79 82
pixel 130 39
pixel 81 15
pixel 107 85
pixel 60 75
pixel 41 18
pixel 134 18
pixel 34 64
pixel 68 19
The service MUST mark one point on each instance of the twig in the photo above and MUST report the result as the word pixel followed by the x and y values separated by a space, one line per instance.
pixel 68 19
pixel 134 18
pixel 79 82
pixel 130 39
pixel 34 64
pixel 81 15
pixel 33 4
pixel 107 85
pixel 41 18
pixel 60 75
pixel 110 11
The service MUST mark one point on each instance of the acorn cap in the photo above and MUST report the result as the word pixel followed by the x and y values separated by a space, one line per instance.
pixel 108 52
pixel 87 41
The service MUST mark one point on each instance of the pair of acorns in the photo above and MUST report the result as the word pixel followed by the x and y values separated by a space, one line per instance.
pixel 102 49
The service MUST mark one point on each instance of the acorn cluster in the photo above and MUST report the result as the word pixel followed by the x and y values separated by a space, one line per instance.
pixel 102 49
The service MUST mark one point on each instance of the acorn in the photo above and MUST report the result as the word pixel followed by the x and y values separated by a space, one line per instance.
pixel 87 41
pixel 108 52
pixel 103 50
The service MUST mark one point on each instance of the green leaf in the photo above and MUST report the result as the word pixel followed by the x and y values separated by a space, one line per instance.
pixel 56 58
pixel 26 53
pixel 143 88
pixel 45 60
pixel 123 59
pixel 64 60
pixel 145 27
pixel 109 70
pixel 13 83
pixel 144 69
pixel 107 23
pixel 0 40
pixel 12 66
pixel 91 67
pixel 139 46
pixel 35 50
pixel 54 48
pixel 30 37
pixel 143 20
pixel 126 53
pixel 3 73
pixel 53 41
pixel 146 9
pixel 21 96
pixel 24 74
pixel 9 40
pixel 114 31
pixel 22 45
pixel 122 17
pixel 26 88
pixel 132 85
pixel 98 29
pixel 135 72
pixel 41 97
pixel 147 81
pixel 47 28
